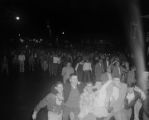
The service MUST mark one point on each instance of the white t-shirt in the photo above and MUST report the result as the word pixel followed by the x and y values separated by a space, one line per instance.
pixel 115 93
pixel 87 66
pixel 56 60
pixel 21 58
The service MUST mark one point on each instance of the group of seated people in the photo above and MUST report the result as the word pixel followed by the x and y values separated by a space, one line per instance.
pixel 102 100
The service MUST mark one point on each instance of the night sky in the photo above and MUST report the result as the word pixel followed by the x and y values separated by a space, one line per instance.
pixel 93 19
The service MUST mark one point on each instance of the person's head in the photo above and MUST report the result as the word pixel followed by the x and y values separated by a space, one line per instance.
pixel 96 58
pixel 73 80
pixel 117 63
pixel 127 65
pixel 59 87
pixel 89 87
pixel 68 64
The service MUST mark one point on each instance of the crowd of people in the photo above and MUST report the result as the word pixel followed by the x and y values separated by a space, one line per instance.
pixel 51 60
pixel 93 85
pixel 106 99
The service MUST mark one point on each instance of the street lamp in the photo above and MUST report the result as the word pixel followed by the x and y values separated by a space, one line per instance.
pixel 17 18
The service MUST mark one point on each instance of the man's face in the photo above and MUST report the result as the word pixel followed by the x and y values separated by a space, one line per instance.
pixel 59 88
pixel 89 87
pixel 74 81
pixel 68 64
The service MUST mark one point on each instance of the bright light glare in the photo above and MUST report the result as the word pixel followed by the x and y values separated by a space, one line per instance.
pixel 21 40
pixel 17 18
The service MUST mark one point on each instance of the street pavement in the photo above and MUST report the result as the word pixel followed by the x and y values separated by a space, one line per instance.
pixel 22 91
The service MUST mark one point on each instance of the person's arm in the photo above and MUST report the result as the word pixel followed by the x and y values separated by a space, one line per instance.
pixel 63 72
pixel 73 70
pixel 44 102
pixel 140 93
pixel 76 67
pixel 90 67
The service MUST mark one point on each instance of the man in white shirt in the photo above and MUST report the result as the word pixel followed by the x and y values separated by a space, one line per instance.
pixel 71 105
pixel 87 69
pixel 79 70
pixel 87 66
pixel 56 60
pixel 56 63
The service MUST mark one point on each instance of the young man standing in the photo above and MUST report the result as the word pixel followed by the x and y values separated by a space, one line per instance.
pixel 71 105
